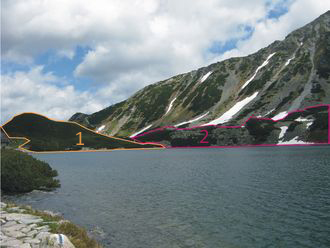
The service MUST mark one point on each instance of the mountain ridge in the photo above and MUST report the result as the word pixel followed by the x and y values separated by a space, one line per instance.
pixel 284 76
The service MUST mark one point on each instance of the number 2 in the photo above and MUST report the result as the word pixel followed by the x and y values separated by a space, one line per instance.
pixel 206 134
pixel 79 144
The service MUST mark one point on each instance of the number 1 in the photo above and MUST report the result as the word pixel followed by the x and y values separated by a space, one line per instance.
pixel 79 144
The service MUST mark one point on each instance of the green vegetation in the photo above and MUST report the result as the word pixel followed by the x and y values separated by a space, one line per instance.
pixel 256 131
pixel 321 122
pixel 286 100
pixel 186 88
pixel 322 56
pixel 97 117
pixel 77 235
pixel 205 100
pixel 180 137
pixel 259 129
pixel 15 143
pixel 319 128
pixel 21 173
pixel 157 136
pixel 206 95
pixel 232 63
pixel 293 125
pixel 82 119
pixel 153 107
pixel 249 111
pixel 303 64
pixel 256 84
pixel 244 65
pixel 48 135
pixel 317 89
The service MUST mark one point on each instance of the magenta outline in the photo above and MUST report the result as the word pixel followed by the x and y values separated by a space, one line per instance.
pixel 207 134
pixel 329 124
pixel 252 116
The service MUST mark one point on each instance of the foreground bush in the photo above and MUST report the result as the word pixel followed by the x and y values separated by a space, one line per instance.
pixel 22 173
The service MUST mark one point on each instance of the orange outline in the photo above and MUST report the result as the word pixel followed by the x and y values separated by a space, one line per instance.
pixel 72 122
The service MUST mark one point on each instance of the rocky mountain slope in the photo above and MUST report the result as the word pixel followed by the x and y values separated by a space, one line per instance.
pixel 285 76
pixel 306 127
pixel 45 135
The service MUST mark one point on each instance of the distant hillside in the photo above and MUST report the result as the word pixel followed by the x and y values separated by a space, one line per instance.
pixel 286 75
pixel 49 135
pixel 309 126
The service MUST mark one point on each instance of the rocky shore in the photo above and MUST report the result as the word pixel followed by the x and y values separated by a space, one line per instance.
pixel 21 228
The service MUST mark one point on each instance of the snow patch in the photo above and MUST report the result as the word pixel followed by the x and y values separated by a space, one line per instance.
pixel 269 112
pixel 302 119
pixel 309 124
pixel 294 141
pixel 283 131
pixel 289 60
pixel 255 73
pixel 193 120
pixel 233 110
pixel 170 106
pixel 280 116
pixel 141 131
pixel 307 121
pixel 206 76
pixel 100 128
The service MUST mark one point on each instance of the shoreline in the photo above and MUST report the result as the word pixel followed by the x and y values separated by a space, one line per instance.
pixel 24 227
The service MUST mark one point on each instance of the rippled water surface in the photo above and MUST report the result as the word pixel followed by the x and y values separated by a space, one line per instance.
pixel 248 197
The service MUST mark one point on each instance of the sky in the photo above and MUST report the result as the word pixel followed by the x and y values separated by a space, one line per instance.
pixel 66 56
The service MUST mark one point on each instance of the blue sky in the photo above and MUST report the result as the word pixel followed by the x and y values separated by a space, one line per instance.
pixel 278 9
pixel 61 57
pixel 64 66
pixel 220 47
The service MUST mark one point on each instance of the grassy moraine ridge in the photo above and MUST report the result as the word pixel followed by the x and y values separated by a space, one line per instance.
pixel 49 135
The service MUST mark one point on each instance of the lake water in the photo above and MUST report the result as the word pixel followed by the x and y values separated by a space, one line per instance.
pixel 245 197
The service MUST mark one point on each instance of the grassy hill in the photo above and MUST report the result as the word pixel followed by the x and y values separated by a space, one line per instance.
pixel 49 135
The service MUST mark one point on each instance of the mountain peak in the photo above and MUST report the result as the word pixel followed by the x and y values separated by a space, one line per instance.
pixel 284 76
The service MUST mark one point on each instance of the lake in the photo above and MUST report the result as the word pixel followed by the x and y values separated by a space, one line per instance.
pixel 238 197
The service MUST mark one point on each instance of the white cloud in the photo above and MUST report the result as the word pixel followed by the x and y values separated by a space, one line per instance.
pixel 172 39
pixel 133 43
pixel 154 36
pixel 300 13
pixel 34 91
